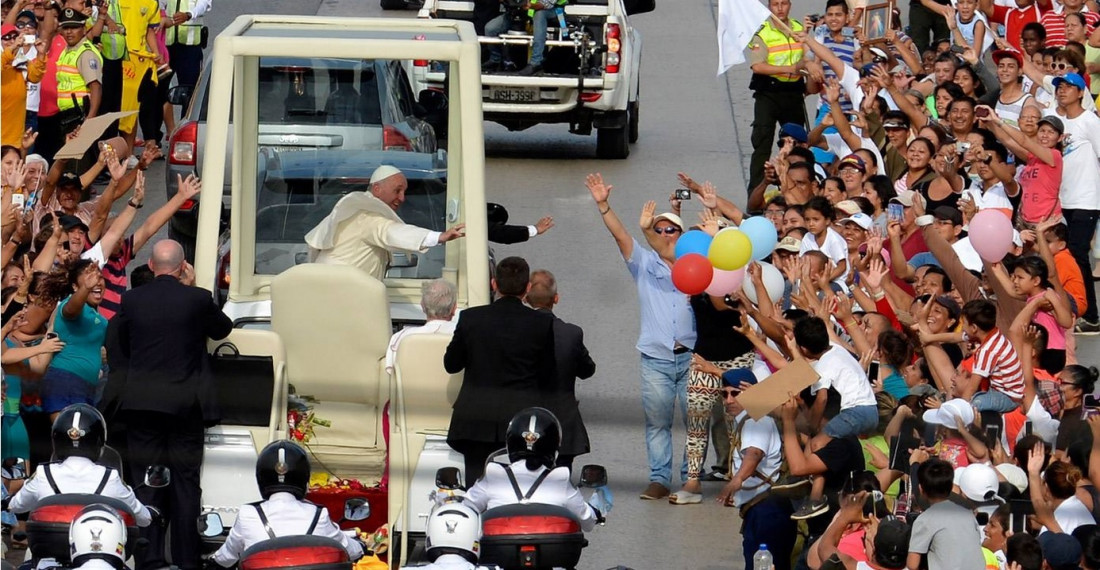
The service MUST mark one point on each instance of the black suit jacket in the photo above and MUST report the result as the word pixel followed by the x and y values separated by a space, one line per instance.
pixel 573 361
pixel 505 234
pixel 507 352
pixel 162 328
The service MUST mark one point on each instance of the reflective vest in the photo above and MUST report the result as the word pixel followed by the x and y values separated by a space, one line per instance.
pixel 113 46
pixel 188 33
pixel 782 50
pixel 69 80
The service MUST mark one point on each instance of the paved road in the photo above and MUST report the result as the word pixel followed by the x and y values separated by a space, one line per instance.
pixel 690 121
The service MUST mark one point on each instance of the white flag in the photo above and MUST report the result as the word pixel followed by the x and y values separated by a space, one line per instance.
pixel 738 21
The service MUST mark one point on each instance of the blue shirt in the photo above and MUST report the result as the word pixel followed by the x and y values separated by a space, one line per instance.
pixel 666 312
pixel 83 338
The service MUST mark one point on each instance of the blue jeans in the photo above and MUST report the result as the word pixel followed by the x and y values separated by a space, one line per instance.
pixel 663 381
pixel 539 22
pixel 769 522
pixel 853 422
pixel 993 401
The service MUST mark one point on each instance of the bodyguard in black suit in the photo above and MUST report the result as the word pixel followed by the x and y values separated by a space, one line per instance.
pixel 163 327
pixel 573 361
pixel 501 232
pixel 507 352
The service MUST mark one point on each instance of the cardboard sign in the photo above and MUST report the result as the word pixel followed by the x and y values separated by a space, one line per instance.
pixel 760 399
pixel 90 132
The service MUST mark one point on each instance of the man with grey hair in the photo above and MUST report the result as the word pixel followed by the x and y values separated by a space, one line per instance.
pixel 363 228
pixel 438 299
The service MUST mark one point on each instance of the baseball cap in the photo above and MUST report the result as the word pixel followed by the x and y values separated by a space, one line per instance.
pixel 739 378
pixel 70 222
pixel 894 121
pixel 852 161
pixel 901 68
pixel 1073 79
pixel 905 198
pixel 69 180
pixel 795 131
pixel 947 412
pixel 947 213
pixel 1054 122
pixel 8 29
pixel 977 481
pixel 867 69
pixel 27 15
pixel 1060 550
pixel 1013 475
pixel 1000 54
pixel 676 221
pixel 860 219
pixel 849 207
pixel 789 243
pixel 892 543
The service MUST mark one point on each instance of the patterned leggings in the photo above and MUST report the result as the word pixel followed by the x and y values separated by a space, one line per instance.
pixel 703 391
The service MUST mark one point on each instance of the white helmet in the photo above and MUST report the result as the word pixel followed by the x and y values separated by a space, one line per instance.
pixel 98 533
pixel 454 528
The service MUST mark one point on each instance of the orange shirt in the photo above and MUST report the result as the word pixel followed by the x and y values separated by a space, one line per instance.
pixel 1069 273
pixel 13 104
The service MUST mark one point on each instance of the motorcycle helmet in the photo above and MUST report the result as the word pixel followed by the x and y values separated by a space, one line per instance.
pixel 98 533
pixel 79 431
pixel 282 466
pixel 534 435
pixel 454 528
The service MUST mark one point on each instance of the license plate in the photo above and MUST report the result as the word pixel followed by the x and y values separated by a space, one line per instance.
pixel 514 94
pixel 293 148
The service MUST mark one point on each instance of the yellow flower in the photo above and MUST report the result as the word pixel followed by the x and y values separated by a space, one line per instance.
pixel 318 479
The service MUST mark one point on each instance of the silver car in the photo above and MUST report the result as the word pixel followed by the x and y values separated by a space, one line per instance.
pixel 309 104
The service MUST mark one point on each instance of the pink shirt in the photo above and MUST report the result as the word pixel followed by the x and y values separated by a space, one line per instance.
pixel 1056 334
pixel 1039 184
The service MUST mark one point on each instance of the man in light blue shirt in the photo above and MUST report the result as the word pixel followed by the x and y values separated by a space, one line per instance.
pixel 667 330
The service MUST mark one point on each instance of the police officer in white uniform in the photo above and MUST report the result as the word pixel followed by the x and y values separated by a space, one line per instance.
pixel 532 440
pixel 78 436
pixel 282 473
pixel 97 539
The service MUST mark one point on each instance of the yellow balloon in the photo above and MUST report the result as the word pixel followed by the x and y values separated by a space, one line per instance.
pixel 731 249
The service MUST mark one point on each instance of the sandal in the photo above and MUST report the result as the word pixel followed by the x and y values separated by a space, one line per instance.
pixel 685 498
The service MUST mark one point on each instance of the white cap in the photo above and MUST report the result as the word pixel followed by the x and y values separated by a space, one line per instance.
pixel 860 219
pixel 977 482
pixel 383 172
pixel 1013 475
pixel 947 412
pixel 671 218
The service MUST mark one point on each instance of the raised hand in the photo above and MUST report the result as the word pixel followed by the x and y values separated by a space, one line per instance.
pixel 187 274
pixel 115 167
pixel 139 189
pixel 459 231
pixel 646 219
pixel 875 273
pixel 1035 459
pixel 708 194
pixel 29 136
pixel 188 187
pixel 709 221
pixel 600 191
pixel 687 182
pixel 544 224
pixel 832 91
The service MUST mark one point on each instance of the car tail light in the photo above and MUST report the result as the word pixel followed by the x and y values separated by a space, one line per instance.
pixel 591 97
pixel 224 276
pixel 183 144
pixel 614 46
pixel 392 139
pixel 420 63
pixel 188 205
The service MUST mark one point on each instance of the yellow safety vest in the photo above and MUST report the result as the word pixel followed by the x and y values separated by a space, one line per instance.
pixel 190 32
pixel 69 80
pixel 782 49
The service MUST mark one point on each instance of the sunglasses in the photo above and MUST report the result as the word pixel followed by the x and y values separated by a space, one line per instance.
pixel 26 24
pixel 667 230
pixel 10 37
pixel 783 140
pixel 1061 66
pixel 774 213
pixel 987 160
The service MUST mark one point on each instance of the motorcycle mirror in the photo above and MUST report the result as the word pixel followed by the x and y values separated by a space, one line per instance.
pixel 448 478
pixel 157 476
pixel 593 476
pixel 210 525
pixel 356 510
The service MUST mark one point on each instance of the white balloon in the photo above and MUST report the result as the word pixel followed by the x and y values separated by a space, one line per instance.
pixel 773 283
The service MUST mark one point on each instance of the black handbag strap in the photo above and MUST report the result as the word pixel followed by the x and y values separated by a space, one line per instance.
pixel 230 346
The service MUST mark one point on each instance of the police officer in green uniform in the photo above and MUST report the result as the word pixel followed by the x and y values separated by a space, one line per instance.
pixel 777 84
pixel 79 68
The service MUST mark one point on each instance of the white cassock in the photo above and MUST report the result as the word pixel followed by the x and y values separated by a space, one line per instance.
pixel 362 231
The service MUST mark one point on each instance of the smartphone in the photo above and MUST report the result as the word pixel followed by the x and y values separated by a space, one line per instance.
pixel 994 433
pixel 683 194
pixel 1092 401
pixel 872 371
pixel 852 118
pixel 848 32
pixel 895 212
pixel 957 49
pixel 1027 428
pixel 981 112
pixel 18 200
pixel 51 335
pixel 28 39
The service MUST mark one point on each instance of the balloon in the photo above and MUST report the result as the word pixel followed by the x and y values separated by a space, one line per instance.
pixel 762 234
pixel 692 273
pixel 773 284
pixel 991 234
pixel 725 282
pixel 694 241
pixel 730 249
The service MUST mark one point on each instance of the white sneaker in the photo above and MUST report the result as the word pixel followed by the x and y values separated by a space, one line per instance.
pixel 132 162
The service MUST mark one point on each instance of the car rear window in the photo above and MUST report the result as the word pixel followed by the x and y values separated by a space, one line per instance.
pixel 311 91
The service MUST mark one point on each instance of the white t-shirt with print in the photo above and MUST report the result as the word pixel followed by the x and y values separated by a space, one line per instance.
pixel 842 372
pixel 1080 188
pixel 763 434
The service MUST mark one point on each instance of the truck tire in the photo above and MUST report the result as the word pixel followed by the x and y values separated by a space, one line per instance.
pixel 393 4
pixel 632 121
pixel 612 143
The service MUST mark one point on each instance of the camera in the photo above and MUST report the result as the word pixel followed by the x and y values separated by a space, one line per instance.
pixel 981 112
pixel 683 194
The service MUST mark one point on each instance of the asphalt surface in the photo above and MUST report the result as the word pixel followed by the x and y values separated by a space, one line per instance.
pixel 690 121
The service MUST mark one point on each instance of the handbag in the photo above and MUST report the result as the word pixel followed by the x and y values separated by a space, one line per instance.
pixel 244 385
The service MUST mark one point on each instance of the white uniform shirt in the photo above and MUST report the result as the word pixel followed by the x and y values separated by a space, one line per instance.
pixel 495 490
pixel 762 434
pixel 77 475
pixel 448 562
pixel 430 327
pixel 842 371
pixel 287 516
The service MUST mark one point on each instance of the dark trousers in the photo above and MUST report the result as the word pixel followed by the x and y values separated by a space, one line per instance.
pixel 111 100
pixel 474 455
pixel 186 61
pixel 923 22
pixel 50 139
pixel 769 522
pixel 151 108
pixel 156 438
pixel 484 10
pixel 1080 227
pixel 771 108
pixel 565 461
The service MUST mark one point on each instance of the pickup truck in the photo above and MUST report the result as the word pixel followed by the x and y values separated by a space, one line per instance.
pixel 590 78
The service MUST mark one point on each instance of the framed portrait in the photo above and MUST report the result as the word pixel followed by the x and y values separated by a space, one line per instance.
pixel 876 20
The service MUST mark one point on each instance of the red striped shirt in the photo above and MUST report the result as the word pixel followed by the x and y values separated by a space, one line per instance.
pixel 997 360
pixel 115 279
pixel 1055 25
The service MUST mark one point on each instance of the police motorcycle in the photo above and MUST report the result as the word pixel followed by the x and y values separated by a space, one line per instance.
pixel 97 539
pixel 522 533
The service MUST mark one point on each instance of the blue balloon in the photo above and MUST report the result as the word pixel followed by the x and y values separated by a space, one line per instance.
pixel 762 234
pixel 694 241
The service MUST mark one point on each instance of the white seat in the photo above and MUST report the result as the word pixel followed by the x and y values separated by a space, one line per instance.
pixel 335 323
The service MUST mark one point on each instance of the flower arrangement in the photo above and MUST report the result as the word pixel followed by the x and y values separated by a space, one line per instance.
pixel 300 419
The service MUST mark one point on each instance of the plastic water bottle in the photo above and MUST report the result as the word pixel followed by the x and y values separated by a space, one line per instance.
pixel 762 560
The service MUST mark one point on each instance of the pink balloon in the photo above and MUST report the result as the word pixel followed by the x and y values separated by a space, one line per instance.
pixel 725 282
pixel 991 234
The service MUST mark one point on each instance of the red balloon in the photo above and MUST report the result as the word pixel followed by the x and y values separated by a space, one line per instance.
pixel 692 273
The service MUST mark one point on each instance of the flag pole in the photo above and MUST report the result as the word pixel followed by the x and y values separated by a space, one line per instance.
pixel 781 24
